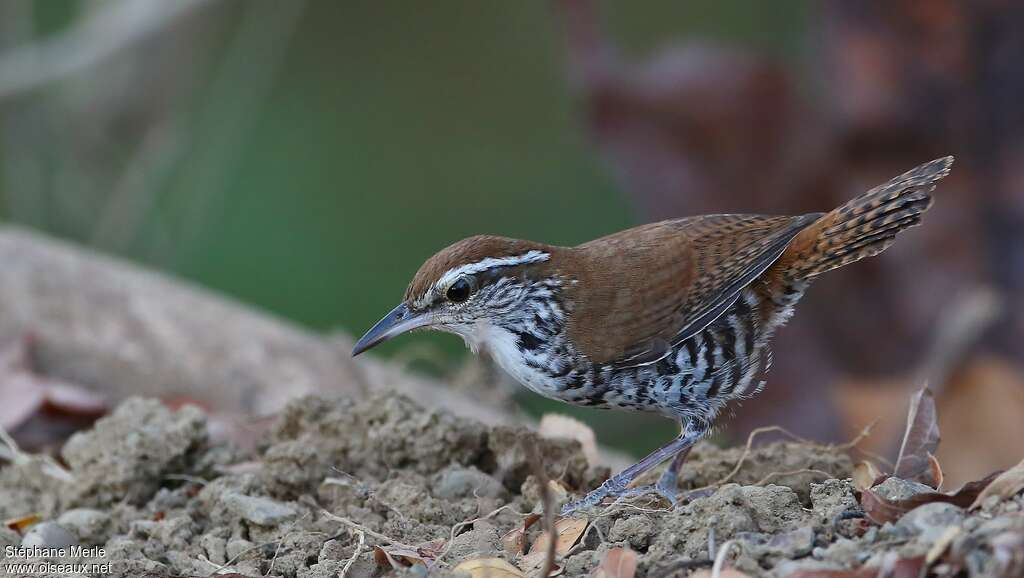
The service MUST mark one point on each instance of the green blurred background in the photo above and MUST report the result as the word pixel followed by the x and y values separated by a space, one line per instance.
pixel 306 157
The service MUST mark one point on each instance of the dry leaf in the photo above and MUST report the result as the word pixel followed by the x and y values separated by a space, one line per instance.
pixel 396 558
pixel 432 549
pixel 21 523
pixel 881 510
pixel 514 542
pixel 1006 485
pixel 920 440
pixel 865 474
pixel 933 463
pixel 488 568
pixel 567 533
pixel 40 410
pixel 617 563
pixel 556 425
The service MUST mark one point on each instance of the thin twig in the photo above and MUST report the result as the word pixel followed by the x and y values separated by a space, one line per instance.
pixel 284 536
pixel 765 479
pixel 463 524
pixel 749 446
pixel 549 511
pixel 367 531
pixel 355 555
pixel 680 565
pixel 716 569
pixel 186 478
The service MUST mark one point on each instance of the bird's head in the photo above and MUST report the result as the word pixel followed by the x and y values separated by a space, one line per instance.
pixel 471 288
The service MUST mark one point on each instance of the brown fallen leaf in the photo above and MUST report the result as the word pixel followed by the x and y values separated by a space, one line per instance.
pixel 432 549
pixel 567 533
pixel 937 475
pixel 920 440
pixel 514 542
pixel 881 510
pixel 1006 485
pixel 396 558
pixel 488 568
pixel 40 410
pixel 22 523
pixel 617 563
pixel 865 475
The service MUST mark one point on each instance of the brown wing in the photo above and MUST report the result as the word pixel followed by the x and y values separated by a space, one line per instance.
pixel 653 286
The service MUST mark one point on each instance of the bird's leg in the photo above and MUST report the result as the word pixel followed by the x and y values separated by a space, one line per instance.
pixel 669 480
pixel 618 485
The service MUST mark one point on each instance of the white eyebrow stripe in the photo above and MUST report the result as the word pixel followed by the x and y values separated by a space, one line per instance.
pixel 451 275
pixel 489 263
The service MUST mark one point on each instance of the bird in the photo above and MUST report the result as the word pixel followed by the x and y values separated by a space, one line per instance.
pixel 672 318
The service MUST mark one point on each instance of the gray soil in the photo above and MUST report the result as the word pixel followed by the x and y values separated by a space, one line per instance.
pixel 146 484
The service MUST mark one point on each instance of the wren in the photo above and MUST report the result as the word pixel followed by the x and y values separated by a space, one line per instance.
pixel 673 317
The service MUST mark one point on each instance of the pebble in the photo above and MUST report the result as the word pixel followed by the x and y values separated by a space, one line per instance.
pixel 931 520
pixel 48 535
pixel 461 482
pixel 258 510
pixel 88 524
pixel 237 547
pixel 899 489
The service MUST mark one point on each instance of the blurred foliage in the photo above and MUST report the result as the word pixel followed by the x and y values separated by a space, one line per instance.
pixel 387 131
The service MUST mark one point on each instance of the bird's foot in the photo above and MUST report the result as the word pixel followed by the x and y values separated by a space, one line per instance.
pixel 667 492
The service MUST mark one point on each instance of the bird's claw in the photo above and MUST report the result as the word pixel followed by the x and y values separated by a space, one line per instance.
pixel 670 495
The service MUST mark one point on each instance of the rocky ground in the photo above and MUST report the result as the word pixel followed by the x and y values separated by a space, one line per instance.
pixel 384 487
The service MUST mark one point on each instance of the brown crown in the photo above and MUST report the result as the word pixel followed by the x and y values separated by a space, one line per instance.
pixel 469 250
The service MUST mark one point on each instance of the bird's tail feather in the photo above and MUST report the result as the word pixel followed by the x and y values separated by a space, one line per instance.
pixel 866 225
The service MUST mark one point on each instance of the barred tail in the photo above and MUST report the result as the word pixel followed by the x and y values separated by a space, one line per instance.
pixel 865 226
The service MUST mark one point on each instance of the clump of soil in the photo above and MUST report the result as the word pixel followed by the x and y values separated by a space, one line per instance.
pixel 335 479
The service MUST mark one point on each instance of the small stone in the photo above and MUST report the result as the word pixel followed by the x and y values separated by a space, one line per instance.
pixel 215 548
pixel 88 525
pixel 235 548
pixel 792 544
pixel 465 482
pixel 931 520
pixel 258 510
pixel 484 538
pixel 48 535
pixel 637 530
pixel 898 489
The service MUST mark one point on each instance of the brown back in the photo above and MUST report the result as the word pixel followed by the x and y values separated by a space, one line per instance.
pixel 655 285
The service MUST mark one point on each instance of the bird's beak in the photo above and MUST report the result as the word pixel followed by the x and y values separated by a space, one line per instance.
pixel 399 321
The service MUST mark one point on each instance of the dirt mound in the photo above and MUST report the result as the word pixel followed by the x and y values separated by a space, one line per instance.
pixel 354 488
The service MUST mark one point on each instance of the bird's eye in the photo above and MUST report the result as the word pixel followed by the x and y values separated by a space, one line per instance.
pixel 459 291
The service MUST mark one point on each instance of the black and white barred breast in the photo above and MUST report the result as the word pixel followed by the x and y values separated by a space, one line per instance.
pixel 695 379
